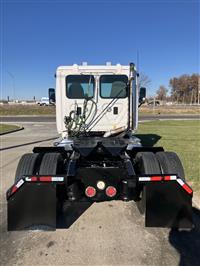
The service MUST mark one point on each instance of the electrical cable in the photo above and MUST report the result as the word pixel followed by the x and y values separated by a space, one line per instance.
pixel 100 116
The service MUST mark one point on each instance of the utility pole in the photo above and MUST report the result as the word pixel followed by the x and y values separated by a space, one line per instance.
pixel 13 80
pixel 191 99
pixel 198 100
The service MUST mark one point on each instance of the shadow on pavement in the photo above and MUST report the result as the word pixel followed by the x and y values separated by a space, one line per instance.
pixel 148 140
pixel 187 243
pixel 71 212
pixel 26 144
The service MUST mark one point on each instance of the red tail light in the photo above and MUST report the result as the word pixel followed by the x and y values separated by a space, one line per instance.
pixel 111 191
pixel 90 192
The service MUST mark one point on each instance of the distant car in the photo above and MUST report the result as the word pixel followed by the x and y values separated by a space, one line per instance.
pixel 44 101
pixel 152 103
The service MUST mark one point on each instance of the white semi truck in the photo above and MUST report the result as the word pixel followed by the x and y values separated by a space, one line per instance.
pixel 97 157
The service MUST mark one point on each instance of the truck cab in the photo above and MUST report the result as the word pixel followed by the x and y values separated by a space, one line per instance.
pixel 105 90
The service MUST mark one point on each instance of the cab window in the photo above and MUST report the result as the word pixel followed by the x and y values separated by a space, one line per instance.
pixel 113 86
pixel 80 86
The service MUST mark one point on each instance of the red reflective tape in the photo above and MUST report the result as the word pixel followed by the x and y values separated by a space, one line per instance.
pixel 167 178
pixel 45 178
pixel 156 178
pixel 33 178
pixel 188 189
pixel 14 189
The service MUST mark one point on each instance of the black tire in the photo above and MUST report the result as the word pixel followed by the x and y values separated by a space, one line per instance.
pixel 52 164
pixel 146 163
pixel 27 165
pixel 170 163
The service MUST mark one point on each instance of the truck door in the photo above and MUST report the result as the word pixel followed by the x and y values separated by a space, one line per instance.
pixel 79 88
pixel 113 98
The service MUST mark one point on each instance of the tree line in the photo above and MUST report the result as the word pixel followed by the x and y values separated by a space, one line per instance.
pixel 184 89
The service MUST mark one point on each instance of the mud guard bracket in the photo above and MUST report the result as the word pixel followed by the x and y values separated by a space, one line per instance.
pixel 167 205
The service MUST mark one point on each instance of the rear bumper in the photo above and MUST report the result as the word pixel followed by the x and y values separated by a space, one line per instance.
pixel 38 200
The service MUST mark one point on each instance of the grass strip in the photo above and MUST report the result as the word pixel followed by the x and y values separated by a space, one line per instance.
pixel 182 137
pixel 4 128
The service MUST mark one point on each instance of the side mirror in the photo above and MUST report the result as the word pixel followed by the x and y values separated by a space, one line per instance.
pixel 142 95
pixel 52 98
pixel 127 89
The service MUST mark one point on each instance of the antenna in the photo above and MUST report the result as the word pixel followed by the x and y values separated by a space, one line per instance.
pixel 138 60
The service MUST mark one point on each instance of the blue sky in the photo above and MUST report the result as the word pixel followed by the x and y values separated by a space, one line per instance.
pixel 38 36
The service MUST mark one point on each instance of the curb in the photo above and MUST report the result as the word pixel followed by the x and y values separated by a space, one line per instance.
pixel 196 200
pixel 11 131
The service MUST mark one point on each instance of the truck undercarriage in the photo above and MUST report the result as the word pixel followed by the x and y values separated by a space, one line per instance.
pixel 96 170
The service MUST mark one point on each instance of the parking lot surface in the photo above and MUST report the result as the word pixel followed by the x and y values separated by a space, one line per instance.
pixel 110 233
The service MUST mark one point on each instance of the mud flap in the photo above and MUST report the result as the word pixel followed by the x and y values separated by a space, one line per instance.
pixel 168 204
pixel 33 206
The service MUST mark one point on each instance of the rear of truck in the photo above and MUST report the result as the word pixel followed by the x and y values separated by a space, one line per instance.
pixel 98 158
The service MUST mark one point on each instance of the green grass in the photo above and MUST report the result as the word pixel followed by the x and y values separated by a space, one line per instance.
pixel 169 110
pixel 182 137
pixel 6 128
pixel 35 109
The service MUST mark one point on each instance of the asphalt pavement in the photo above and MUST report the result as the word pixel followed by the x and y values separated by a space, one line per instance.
pixel 109 233
pixel 21 119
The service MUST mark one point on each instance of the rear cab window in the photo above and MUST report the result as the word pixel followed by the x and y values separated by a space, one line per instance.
pixel 80 86
pixel 113 86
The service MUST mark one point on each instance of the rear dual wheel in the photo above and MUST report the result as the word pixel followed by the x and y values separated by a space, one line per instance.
pixel 148 163
pixel 29 164
pixel 159 163
pixel 52 164
pixel 35 163
pixel 170 163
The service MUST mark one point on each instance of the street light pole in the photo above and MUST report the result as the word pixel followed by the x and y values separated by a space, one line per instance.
pixel 13 80
pixel 198 100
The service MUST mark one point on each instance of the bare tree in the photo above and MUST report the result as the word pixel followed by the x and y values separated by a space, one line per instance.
pixel 143 80
pixel 161 93
pixel 184 89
